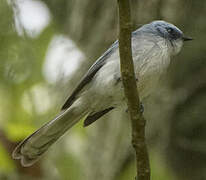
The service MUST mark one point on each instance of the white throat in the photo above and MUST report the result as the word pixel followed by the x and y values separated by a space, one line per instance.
pixel 176 46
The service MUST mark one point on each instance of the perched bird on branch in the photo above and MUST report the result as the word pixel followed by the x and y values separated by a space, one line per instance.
pixel 100 90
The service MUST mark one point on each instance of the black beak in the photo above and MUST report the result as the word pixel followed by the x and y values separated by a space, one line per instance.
pixel 187 38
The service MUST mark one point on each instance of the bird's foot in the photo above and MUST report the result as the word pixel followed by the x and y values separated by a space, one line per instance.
pixel 141 107
pixel 119 79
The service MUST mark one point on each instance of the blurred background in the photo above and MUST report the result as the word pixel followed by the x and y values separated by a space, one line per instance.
pixel 45 48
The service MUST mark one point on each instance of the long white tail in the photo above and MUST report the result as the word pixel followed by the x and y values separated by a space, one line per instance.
pixel 30 149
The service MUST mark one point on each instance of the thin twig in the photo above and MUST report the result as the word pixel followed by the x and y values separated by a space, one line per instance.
pixel 131 93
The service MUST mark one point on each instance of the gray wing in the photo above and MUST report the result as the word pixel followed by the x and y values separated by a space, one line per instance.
pixel 90 74
pixel 92 118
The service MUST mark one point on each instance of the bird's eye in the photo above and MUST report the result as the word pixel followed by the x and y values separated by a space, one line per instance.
pixel 170 30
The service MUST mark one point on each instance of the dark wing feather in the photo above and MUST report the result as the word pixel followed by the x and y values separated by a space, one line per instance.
pixel 90 74
pixel 92 118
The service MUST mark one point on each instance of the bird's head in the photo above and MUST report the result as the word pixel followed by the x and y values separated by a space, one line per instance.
pixel 170 33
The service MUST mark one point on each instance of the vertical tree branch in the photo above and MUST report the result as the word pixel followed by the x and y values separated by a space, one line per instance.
pixel 130 90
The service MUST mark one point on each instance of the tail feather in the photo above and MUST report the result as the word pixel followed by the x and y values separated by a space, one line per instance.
pixel 31 149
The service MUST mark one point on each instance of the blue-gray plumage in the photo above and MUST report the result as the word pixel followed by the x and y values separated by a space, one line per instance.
pixel 101 90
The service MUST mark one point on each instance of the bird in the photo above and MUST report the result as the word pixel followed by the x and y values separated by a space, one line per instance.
pixel 101 89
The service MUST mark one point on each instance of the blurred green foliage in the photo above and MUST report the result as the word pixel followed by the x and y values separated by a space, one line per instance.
pixel 6 163
pixel 176 113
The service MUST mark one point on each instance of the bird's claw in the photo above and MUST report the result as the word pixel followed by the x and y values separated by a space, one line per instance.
pixel 141 107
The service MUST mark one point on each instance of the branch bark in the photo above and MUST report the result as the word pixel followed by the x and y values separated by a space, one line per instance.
pixel 131 92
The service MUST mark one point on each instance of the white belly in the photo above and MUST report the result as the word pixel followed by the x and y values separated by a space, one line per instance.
pixel 106 90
